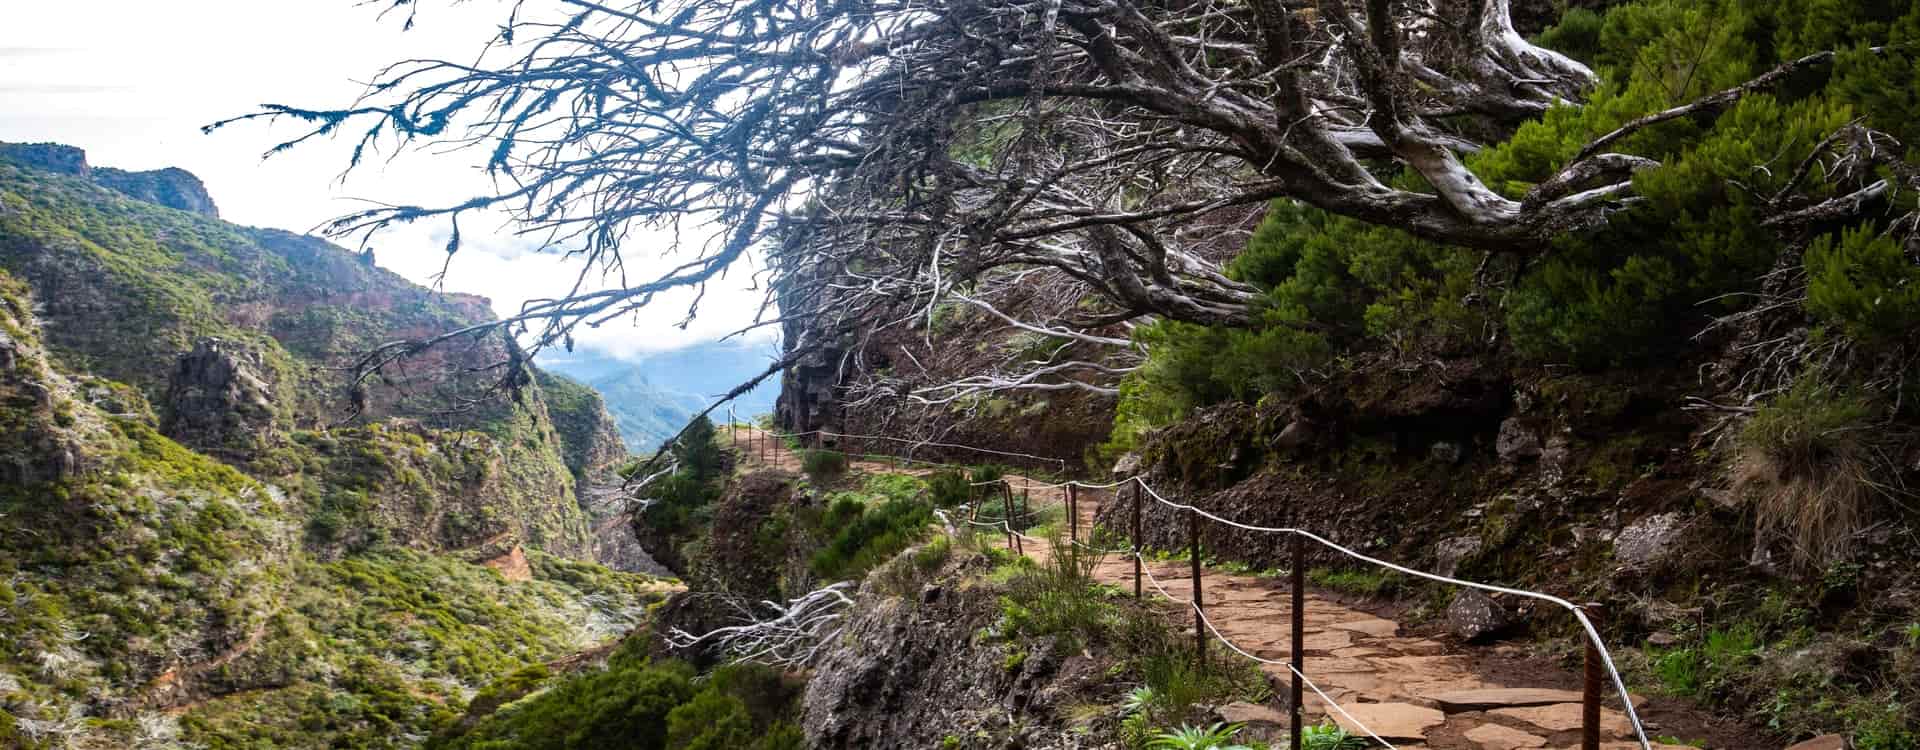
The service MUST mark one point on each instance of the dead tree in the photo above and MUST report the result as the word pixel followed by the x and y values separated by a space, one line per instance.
pixel 936 150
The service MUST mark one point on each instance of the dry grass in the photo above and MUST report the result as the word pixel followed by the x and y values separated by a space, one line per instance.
pixel 1815 461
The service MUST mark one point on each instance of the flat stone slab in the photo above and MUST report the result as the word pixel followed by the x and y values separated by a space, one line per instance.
pixel 1355 652
pixel 1484 699
pixel 1496 737
pixel 1822 742
pixel 1391 721
pixel 1633 746
pixel 1375 627
pixel 1315 665
pixel 1563 717
pixel 1327 641
pixel 1242 712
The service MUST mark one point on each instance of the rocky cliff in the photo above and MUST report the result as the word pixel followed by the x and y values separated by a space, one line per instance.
pixel 171 187
pixel 241 338
pixel 207 538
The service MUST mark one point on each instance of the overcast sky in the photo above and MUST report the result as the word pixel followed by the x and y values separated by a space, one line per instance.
pixel 132 81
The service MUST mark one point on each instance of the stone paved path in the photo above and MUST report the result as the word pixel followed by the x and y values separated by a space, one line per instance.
pixel 1413 691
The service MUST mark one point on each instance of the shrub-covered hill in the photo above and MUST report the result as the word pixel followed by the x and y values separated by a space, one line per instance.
pixel 204 542
pixel 234 342
pixel 150 594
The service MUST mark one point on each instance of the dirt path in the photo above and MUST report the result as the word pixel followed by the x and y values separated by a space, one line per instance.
pixel 1414 691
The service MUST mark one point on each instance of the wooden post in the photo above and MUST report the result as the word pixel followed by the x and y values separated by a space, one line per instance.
pixel 1073 512
pixel 1199 601
pixel 1013 539
pixel 1590 704
pixel 1138 548
pixel 1296 653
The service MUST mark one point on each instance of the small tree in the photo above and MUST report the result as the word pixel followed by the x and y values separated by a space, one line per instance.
pixel 696 450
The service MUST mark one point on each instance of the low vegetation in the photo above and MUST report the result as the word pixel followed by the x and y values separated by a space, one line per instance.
pixel 637 704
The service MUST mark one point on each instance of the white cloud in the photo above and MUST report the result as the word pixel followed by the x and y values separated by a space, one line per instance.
pixel 131 81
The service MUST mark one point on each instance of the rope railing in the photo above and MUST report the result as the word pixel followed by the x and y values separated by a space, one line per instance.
pixel 1596 646
pixel 1201 612
pixel 917 443
pixel 1591 632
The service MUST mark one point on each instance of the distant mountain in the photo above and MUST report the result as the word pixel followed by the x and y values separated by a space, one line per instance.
pixel 652 397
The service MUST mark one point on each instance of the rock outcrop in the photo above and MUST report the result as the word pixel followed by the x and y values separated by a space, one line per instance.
pixel 172 187
pixel 218 401
pixel 911 671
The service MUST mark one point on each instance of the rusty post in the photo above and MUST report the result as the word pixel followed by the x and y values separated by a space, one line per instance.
pixel 1073 512
pixel 1199 600
pixel 1138 548
pixel 1296 653
pixel 1013 537
pixel 1590 703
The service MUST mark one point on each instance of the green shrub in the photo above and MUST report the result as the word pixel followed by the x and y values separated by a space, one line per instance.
pixel 819 462
pixel 645 706
pixel 1058 597
pixel 1864 281
pixel 947 488
pixel 864 536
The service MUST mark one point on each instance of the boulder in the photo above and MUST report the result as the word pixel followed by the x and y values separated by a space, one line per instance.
pixel 1474 616
pixel 1517 441
pixel 1295 434
pixel 1556 456
pixel 1449 553
pixel 1650 541
pixel 1446 452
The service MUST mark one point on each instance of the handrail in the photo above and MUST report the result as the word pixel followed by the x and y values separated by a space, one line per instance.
pixel 1591 633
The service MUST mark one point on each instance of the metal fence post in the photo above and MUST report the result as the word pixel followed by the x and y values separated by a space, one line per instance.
pixel 1013 537
pixel 1199 601
pixel 1138 548
pixel 1296 654
pixel 1590 704
pixel 1073 512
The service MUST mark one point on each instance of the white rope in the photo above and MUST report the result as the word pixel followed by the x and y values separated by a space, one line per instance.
pixel 1202 612
pixel 1579 615
pixel 1004 526
pixel 1592 633
pixel 1011 454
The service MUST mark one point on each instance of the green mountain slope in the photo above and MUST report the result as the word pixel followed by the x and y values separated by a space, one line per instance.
pixel 202 542
pixel 240 338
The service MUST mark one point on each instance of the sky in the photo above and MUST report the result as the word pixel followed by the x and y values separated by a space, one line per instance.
pixel 132 81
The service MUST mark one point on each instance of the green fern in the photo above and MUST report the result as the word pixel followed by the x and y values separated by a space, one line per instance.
pixel 1330 737
pixel 1216 737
